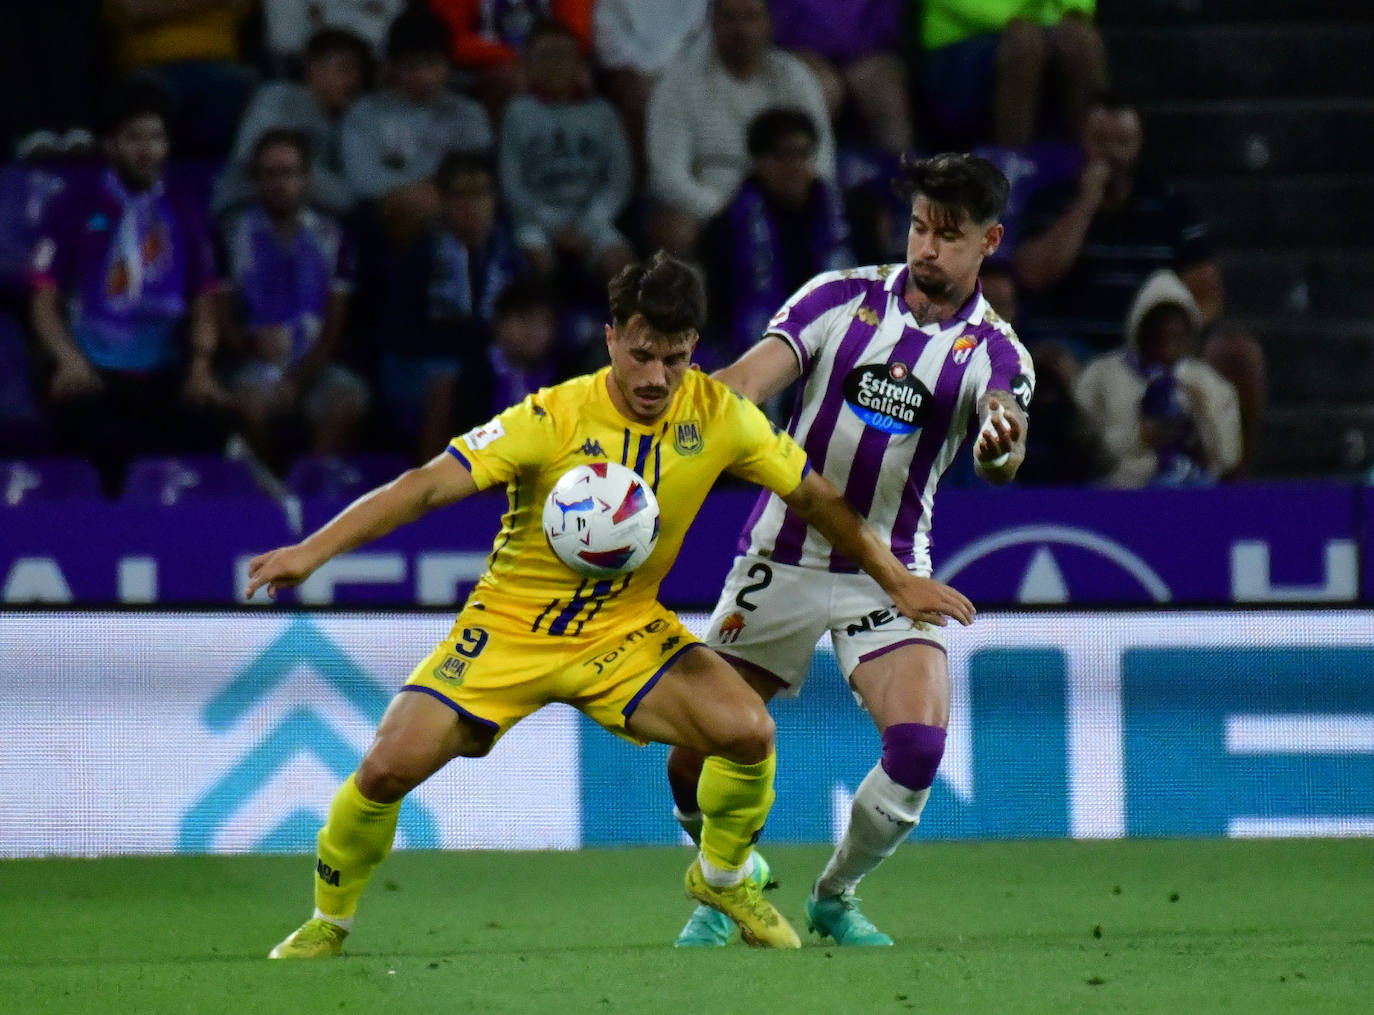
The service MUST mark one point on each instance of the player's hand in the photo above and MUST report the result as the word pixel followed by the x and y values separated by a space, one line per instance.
pixel 931 602
pixel 999 434
pixel 282 568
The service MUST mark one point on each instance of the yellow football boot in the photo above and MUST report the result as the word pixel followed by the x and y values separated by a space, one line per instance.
pixel 315 939
pixel 759 923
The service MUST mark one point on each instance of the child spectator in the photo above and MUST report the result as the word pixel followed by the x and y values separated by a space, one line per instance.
pixel 286 293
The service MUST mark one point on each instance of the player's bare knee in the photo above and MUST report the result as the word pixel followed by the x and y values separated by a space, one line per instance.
pixel 381 780
pixel 749 739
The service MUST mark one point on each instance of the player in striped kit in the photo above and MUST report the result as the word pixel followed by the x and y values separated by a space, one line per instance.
pixel 899 365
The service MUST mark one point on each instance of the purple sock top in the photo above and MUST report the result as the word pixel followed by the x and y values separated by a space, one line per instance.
pixel 912 752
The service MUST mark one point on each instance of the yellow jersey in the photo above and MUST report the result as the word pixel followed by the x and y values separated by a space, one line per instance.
pixel 707 430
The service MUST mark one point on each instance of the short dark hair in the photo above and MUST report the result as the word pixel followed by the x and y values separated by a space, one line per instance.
pixel 667 292
pixel 523 295
pixel 958 182
pixel 136 96
pixel 458 163
pixel 417 30
pixel 771 127
pixel 279 136
pixel 330 40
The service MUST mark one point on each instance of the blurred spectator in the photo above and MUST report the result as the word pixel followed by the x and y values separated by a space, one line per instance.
pixel 785 226
pixel 393 139
pixel 1067 448
pixel 1088 244
pixel 523 356
pixel 565 165
pixel 985 66
pixel 851 48
pixel 121 301
pixel 286 292
pixel 438 302
pixel 291 24
pixel 635 41
pixel 699 114
pixel 338 65
pixel 488 36
pixel 1164 415
pixel 192 48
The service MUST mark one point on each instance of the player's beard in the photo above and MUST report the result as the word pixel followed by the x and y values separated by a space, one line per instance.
pixel 936 288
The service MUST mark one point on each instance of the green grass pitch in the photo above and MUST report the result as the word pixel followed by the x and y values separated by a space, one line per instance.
pixel 1120 927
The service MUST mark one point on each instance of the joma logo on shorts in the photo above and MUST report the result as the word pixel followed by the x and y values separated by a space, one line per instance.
pixel 327 873
pixel 652 627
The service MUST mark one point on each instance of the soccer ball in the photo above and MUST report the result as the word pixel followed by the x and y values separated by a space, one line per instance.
pixel 601 519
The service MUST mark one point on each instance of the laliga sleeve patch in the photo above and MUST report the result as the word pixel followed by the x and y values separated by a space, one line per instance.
pixel 482 436
pixel 1022 388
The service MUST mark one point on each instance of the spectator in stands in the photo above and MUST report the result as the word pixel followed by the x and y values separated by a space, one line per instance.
pixel 699 114
pixel 523 356
pixel 635 42
pixel 784 226
pixel 487 39
pixel 193 50
pixel 290 25
pixel 851 47
pixel 1088 245
pixel 121 302
pixel 393 139
pixel 287 279
pixel 1164 416
pixel 438 302
pixel 985 66
pixel 565 166
pixel 338 66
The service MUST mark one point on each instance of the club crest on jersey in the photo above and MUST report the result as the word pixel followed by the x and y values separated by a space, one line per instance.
pixel 963 348
pixel 730 628
pixel 887 397
pixel 687 437
pixel 451 669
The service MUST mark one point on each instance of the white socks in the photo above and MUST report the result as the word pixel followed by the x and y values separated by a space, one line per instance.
pixel 882 816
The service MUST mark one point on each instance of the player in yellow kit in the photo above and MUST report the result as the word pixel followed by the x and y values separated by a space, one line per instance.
pixel 534 632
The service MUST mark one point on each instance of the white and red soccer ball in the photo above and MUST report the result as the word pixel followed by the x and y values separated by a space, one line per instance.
pixel 601 519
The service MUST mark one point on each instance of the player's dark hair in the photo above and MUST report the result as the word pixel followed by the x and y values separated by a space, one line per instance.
pixel 283 137
pixel 773 126
pixel 458 163
pixel 959 183
pixel 668 293
pixel 417 31
pixel 522 296
pixel 330 40
pixel 133 98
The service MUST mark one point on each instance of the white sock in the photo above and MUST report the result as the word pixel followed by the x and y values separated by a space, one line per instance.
pixel 720 877
pixel 691 824
pixel 883 815
pixel 342 922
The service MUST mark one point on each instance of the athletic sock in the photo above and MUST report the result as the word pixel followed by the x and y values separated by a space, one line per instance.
pixel 734 802
pixel 356 837
pixel 691 823
pixel 882 816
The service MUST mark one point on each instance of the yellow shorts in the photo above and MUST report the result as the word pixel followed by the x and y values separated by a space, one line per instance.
pixel 494 673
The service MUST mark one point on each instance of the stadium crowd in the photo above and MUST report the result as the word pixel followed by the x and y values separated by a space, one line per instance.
pixel 289 232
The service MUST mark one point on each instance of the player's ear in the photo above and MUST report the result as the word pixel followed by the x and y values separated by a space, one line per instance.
pixel 992 239
pixel 610 334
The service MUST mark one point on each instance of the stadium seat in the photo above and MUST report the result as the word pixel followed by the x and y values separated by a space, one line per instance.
pixel 25 480
pixel 173 479
pixel 342 478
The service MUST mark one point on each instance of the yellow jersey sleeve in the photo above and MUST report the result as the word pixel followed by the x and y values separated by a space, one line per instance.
pixel 521 437
pixel 764 454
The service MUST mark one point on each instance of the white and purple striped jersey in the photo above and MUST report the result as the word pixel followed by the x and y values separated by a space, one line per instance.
pixel 883 408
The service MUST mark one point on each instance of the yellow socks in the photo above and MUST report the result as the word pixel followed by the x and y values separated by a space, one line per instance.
pixel 354 840
pixel 734 801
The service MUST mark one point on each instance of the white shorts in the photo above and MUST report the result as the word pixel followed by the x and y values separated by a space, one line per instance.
pixel 772 615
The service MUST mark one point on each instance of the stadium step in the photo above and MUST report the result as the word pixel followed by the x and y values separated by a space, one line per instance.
pixel 1320 283
pixel 1276 210
pixel 1316 363
pixel 1302 60
pixel 1206 12
pixel 1317 440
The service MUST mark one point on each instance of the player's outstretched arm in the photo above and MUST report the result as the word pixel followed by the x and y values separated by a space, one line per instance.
pixel 441 481
pixel 1001 445
pixel 822 505
pixel 768 367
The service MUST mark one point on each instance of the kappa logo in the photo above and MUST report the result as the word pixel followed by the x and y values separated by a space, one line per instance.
pixel 687 438
pixel 591 447
pixel 868 316
pixel 669 644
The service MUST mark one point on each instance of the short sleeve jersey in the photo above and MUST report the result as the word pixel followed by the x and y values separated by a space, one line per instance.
pixel 884 407
pixel 707 430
